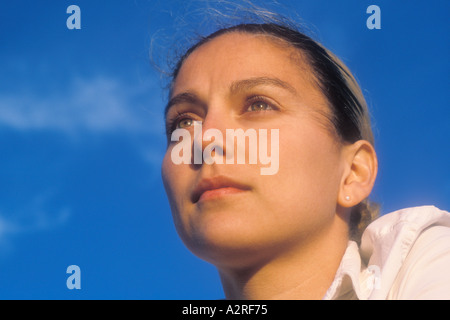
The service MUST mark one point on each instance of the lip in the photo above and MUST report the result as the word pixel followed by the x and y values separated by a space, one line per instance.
pixel 216 187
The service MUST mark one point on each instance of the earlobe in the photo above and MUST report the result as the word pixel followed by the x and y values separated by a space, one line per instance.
pixel 359 175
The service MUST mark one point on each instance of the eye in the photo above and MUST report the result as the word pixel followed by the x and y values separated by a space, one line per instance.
pixel 259 106
pixel 184 123
pixel 178 121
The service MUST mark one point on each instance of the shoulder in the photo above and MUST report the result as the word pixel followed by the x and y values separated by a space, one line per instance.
pixel 425 270
pixel 412 249
pixel 405 225
pixel 413 218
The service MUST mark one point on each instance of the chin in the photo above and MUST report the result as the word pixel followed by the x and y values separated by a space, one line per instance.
pixel 228 243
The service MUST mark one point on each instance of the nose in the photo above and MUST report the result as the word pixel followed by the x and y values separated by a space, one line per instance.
pixel 209 139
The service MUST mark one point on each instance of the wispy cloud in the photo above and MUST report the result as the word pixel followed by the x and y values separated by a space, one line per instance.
pixel 96 105
pixel 87 106
pixel 28 218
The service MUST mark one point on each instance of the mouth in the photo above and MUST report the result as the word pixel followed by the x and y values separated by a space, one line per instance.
pixel 217 187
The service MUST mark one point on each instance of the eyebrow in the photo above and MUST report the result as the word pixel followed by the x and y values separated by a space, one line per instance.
pixel 185 97
pixel 236 87
pixel 247 84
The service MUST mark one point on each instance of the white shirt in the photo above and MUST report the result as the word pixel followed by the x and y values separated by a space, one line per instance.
pixel 404 255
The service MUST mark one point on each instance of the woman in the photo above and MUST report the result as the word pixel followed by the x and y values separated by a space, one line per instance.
pixel 295 233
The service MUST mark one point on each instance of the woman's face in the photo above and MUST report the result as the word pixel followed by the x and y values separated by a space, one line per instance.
pixel 231 214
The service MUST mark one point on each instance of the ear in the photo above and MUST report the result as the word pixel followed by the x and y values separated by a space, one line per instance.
pixel 361 166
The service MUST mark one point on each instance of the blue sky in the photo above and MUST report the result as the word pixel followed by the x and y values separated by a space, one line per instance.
pixel 82 135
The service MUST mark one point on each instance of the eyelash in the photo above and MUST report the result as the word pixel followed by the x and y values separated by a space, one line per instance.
pixel 263 99
pixel 172 123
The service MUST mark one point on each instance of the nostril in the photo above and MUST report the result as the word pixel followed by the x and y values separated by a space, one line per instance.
pixel 208 145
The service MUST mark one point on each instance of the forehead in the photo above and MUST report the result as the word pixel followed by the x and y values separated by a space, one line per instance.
pixel 236 56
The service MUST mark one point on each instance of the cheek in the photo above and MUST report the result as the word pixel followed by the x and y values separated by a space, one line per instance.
pixel 177 183
pixel 309 169
pixel 166 171
pixel 309 154
pixel 173 179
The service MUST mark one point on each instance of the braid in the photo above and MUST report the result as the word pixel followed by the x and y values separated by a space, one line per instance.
pixel 362 215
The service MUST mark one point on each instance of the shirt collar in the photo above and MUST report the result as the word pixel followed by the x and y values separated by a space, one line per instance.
pixel 352 278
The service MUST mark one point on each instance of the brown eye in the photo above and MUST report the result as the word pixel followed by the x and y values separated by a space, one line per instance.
pixel 259 106
pixel 186 122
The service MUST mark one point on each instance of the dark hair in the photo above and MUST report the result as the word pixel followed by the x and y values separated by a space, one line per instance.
pixel 349 113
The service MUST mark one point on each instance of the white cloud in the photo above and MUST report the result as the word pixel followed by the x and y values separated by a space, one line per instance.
pixel 88 105
pixel 35 221
pixel 30 218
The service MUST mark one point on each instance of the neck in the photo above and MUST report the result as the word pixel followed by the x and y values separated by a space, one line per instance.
pixel 304 271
